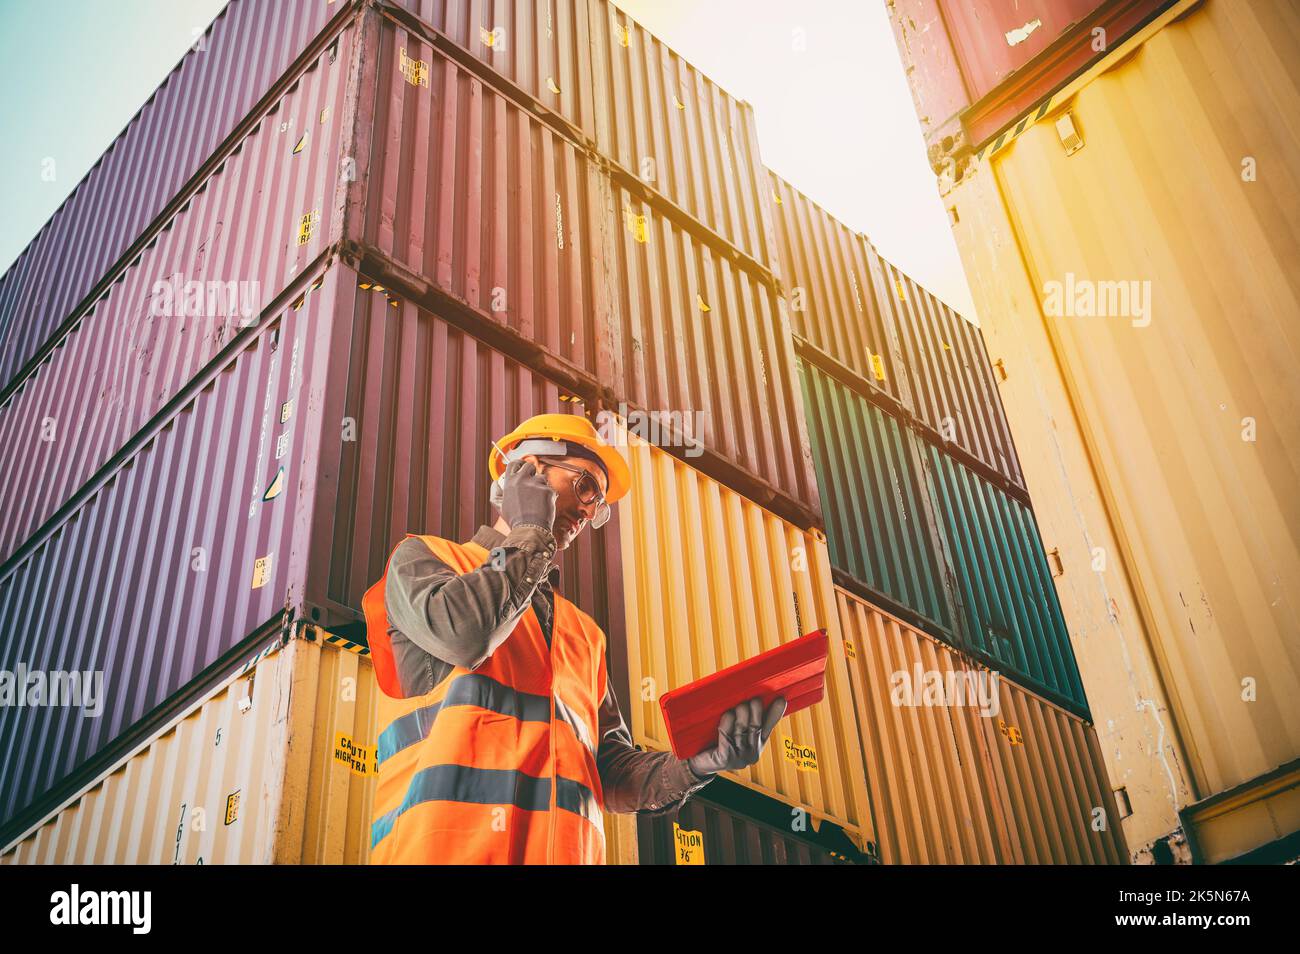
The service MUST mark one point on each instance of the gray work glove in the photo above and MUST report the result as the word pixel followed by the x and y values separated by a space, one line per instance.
pixel 527 496
pixel 742 732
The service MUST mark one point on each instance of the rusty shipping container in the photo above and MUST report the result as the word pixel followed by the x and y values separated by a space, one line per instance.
pixel 710 579
pixel 965 769
pixel 830 275
pixel 1158 435
pixel 207 275
pixel 244 56
pixel 273 765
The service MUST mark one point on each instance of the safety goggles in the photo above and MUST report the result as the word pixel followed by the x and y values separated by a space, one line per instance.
pixel 587 489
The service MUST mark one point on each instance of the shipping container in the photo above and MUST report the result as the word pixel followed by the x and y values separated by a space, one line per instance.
pixel 245 57
pixel 875 501
pixel 951 380
pixel 963 768
pixel 418 403
pixel 254 225
pixel 672 130
pixel 977 65
pixel 826 271
pixel 1009 608
pixel 1053 782
pixel 227 480
pixel 542 50
pixel 703 338
pixel 704 832
pixel 274 765
pixel 710 579
pixel 1159 438
pixel 482 200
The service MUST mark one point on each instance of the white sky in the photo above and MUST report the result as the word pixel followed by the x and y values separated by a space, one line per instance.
pixel 836 119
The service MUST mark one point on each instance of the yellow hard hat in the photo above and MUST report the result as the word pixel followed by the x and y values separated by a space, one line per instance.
pixel 566 427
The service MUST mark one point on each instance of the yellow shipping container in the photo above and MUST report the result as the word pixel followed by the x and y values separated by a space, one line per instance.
pixel 1134 254
pixel 710 579
pixel 274 766
pixel 964 769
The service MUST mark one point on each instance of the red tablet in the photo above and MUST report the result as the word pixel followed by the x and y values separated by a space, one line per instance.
pixel 796 670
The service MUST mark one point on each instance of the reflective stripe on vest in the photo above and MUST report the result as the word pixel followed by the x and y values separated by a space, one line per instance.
pixel 466 770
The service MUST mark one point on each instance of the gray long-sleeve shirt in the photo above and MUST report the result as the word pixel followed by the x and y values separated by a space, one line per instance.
pixel 439 619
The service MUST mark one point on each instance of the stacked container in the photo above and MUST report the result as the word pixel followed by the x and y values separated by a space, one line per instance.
pixel 431 226
pixel 1125 211
pixel 930 532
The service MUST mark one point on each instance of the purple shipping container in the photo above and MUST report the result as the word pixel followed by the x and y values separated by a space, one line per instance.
pixel 166 562
pixel 249 46
pixel 280 484
pixel 257 222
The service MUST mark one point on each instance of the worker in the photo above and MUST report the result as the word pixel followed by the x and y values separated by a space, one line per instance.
pixel 501 739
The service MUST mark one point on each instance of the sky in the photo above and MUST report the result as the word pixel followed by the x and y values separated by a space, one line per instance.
pixel 834 112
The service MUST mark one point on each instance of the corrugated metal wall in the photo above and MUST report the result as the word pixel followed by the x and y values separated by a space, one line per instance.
pixel 878 526
pixel 826 270
pixel 710 579
pixel 1053 782
pixel 951 380
pixel 677 132
pixel 697 332
pixel 1012 615
pixel 228 484
pixel 706 833
pixel 485 201
pixel 119 364
pixel 542 48
pixel 261 771
pixel 934 796
pixel 994 775
pixel 247 48
pixel 420 402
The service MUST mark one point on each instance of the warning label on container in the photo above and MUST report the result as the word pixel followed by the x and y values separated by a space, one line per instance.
pixel 848 649
pixel 804 757
pixel 689 845
pixel 360 758
pixel 261 571
pixel 232 807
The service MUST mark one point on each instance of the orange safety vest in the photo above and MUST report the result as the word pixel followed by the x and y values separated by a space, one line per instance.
pixel 495 765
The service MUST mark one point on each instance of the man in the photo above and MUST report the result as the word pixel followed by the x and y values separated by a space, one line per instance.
pixel 501 740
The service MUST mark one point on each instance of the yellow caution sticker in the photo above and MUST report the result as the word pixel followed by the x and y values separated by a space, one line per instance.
pixel 702 304
pixel 232 807
pixel 297 148
pixel 276 487
pixel 324 115
pixel 637 224
pixel 878 366
pixel 286 410
pixel 415 71
pixel 804 757
pixel 898 287
pixel 486 36
pixel 261 571
pixel 308 222
pixel 946 346
pixel 552 86
pixel 623 33
pixel 689 844
pixel 1011 732
pixel 849 652
pixel 776 198
pixel 360 758
pixel 677 102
